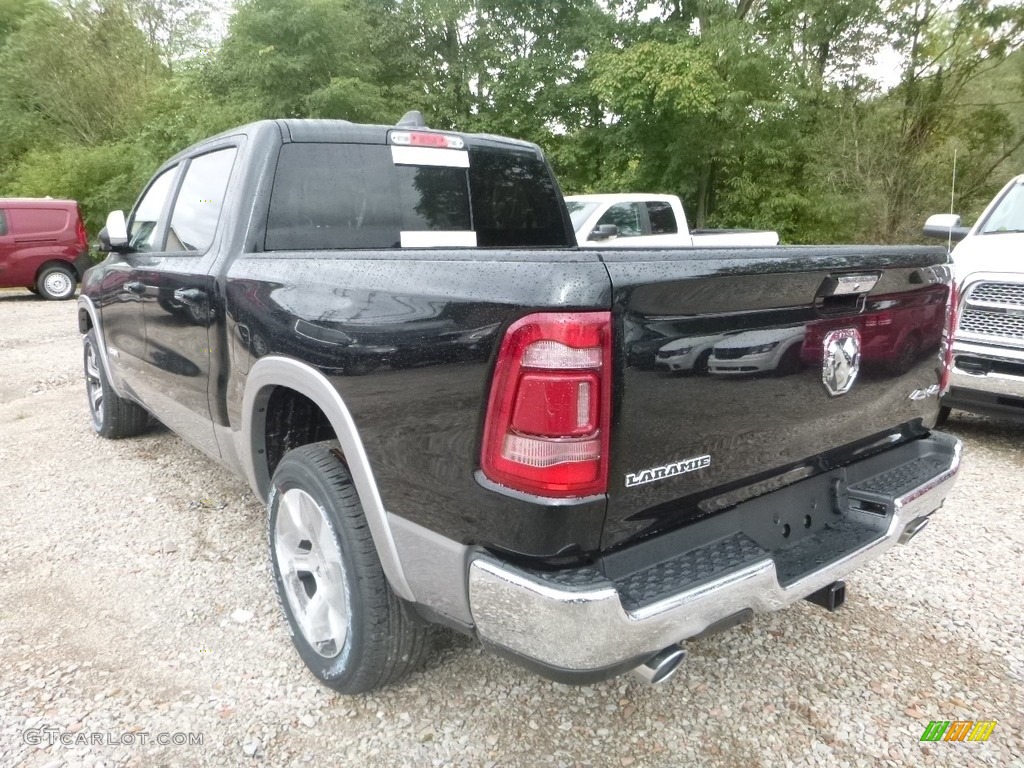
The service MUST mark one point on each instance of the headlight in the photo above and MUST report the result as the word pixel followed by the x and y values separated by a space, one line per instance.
pixel 763 348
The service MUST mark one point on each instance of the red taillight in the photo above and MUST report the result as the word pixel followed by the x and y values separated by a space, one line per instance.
pixel 952 313
pixel 878 320
pixel 549 411
pixel 80 233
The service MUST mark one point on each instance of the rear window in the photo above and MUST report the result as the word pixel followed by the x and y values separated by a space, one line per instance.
pixel 335 196
pixel 37 221
pixel 3 223
pixel 663 220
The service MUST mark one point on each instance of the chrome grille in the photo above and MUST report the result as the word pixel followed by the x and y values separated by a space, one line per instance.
pixel 1006 294
pixel 993 312
pixel 982 323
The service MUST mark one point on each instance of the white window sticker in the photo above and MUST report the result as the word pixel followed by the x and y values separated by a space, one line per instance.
pixel 445 158
pixel 438 239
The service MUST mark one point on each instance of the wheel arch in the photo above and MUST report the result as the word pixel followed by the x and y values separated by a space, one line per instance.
pixel 272 373
pixel 89 320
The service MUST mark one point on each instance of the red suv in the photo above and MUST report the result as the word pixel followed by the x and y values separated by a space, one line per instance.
pixel 43 246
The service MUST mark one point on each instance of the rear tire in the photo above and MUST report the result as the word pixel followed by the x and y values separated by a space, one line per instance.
pixel 349 627
pixel 56 283
pixel 112 416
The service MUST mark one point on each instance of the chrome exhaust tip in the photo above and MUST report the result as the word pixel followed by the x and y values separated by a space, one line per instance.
pixel 661 666
pixel 913 528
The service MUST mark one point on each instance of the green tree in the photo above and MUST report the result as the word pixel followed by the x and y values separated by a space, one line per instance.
pixel 177 30
pixel 75 71
pixel 300 58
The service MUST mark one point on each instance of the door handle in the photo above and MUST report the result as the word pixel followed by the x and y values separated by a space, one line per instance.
pixel 189 295
pixel 134 287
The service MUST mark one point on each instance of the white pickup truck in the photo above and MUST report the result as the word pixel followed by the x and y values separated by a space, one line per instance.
pixel 987 373
pixel 640 220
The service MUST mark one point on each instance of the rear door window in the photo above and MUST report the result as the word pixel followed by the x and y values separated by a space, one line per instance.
pixel 337 196
pixel 3 224
pixel 199 202
pixel 625 216
pixel 662 218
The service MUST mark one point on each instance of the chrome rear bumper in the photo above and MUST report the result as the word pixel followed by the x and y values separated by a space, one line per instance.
pixel 576 622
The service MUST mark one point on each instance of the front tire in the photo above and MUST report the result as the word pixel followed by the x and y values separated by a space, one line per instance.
pixel 56 283
pixel 112 416
pixel 350 629
pixel 700 365
pixel 790 362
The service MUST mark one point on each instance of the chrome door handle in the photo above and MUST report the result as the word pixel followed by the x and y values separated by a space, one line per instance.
pixel 134 287
pixel 189 295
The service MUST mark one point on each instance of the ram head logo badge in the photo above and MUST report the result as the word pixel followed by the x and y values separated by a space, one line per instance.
pixel 841 361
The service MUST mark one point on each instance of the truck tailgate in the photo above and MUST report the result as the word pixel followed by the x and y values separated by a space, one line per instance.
pixel 734 371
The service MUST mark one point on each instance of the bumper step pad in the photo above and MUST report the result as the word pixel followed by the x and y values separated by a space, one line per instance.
pixel 827 546
pixel 719 558
pixel 883 488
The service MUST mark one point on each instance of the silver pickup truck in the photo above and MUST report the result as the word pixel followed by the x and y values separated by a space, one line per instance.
pixel 987 373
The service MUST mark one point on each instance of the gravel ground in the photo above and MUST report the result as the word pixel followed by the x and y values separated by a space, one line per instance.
pixel 136 601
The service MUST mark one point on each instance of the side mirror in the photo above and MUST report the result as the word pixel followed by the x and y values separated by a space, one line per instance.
pixel 114 236
pixel 604 232
pixel 945 226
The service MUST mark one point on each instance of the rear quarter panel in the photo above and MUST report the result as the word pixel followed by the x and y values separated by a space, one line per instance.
pixel 408 339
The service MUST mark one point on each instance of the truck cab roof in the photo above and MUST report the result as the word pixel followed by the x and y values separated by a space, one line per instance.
pixel 295 130
pixel 625 197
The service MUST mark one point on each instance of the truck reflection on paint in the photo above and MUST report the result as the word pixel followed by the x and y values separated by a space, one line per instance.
pixel 379 330
pixel 897 330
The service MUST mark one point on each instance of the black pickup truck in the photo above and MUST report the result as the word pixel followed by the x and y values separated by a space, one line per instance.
pixel 457 417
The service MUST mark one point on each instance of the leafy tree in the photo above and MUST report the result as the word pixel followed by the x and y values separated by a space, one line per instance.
pixel 102 178
pixel 75 71
pixel 176 29
pixel 757 112
pixel 299 58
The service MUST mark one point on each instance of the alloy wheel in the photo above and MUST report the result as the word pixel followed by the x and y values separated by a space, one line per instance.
pixel 93 383
pixel 312 573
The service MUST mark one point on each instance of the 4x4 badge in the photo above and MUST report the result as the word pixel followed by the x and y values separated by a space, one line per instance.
pixel 841 362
